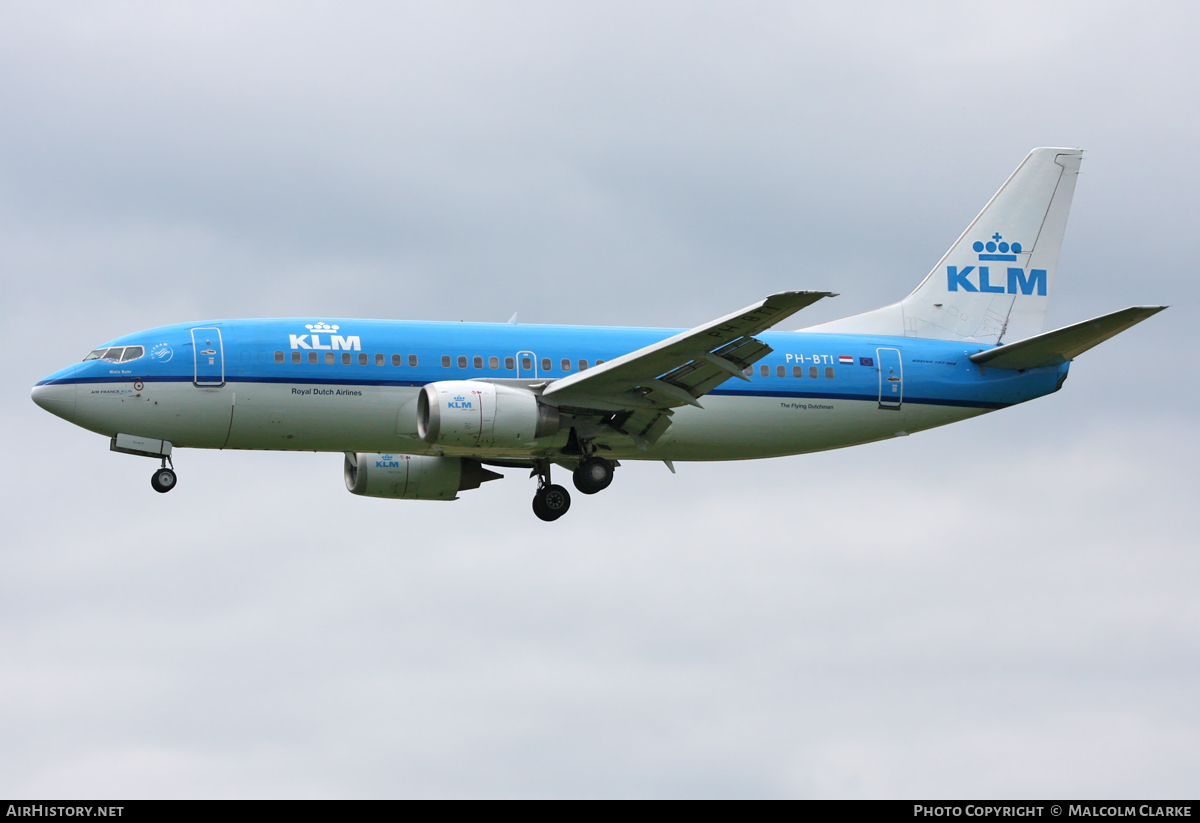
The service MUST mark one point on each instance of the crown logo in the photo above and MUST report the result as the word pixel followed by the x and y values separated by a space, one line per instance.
pixel 318 328
pixel 460 398
pixel 988 250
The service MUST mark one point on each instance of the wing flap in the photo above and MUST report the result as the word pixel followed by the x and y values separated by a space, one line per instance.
pixel 1061 345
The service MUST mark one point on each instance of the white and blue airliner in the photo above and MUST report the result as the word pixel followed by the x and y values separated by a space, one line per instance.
pixel 421 410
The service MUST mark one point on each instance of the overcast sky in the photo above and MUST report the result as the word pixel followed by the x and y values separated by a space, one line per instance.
pixel 1002 608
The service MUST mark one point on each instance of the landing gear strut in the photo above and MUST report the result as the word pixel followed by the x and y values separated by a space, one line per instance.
pixel 593 475
pixel 551 501
pixel 163 479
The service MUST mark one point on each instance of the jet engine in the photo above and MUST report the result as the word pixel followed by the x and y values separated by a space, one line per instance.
pixel 467 414
pixel 413 476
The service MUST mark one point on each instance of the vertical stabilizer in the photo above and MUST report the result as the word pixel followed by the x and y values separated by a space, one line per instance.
pixel 994 283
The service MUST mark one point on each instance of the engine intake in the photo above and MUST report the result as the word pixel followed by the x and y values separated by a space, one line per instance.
pixel 414 476
pixel 467 414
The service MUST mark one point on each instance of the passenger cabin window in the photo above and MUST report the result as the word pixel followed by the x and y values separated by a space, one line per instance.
pixel 412 360
pixel 748 371
pixel 445 361
pixel 582 365
pixel 493 362
pixel 278 357
pixel 829 372
pixel 812 372
pixel 462 362
pixel 478 362
pixel 362 358
pixel 598 362
pixel 379 360
pixel 545 364
pixel 765 371
pixel 329 358
pixel 312 357
pixel 781 371
pixel 526 363
pixel 797 371
pixel 509 363
pixel 345 358
pixel 396 361
pixel 566 364
pixel 295 357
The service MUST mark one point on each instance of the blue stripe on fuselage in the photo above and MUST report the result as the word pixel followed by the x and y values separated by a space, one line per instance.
pixel 935 372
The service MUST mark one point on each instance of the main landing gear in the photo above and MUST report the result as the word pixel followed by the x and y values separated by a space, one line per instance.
pixel 552 501
pixel 163 479
pixel 593 475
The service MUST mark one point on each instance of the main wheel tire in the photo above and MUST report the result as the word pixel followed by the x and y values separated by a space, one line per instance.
pixel 593 475
pixel 551 502
pixel 163 480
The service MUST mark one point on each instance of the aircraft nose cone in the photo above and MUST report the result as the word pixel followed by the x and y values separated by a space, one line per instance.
pixel 59 400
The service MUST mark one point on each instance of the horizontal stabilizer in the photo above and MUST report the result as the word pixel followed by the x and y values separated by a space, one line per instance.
pixel 1059 346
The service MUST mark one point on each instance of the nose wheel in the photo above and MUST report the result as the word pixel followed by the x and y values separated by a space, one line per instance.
pixel 163 479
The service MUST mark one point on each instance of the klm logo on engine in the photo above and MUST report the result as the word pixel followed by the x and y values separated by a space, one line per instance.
pixel 386 461
pixel 997 249
pixel 337 342
pixel 459 402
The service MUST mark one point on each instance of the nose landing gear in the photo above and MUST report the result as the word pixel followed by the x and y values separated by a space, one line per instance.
pixel 163 479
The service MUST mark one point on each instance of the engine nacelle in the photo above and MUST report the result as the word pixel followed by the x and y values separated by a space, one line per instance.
pixel 413 476
pixel 467 414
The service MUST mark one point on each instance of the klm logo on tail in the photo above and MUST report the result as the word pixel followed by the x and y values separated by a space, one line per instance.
pixel 996 244
pixel 996 249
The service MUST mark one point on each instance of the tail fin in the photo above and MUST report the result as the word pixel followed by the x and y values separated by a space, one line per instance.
pixel 994 282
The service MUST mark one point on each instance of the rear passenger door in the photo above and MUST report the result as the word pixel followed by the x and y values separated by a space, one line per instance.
pixel 891 378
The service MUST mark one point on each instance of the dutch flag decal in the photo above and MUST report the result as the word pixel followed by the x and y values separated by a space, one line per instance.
pixel 846 360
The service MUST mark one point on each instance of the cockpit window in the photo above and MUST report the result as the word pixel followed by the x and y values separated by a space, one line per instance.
pixel 117 354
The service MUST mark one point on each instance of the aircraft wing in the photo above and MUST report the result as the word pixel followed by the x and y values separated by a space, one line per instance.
pixel 640 388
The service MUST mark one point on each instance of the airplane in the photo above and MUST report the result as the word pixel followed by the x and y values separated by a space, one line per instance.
pixel 421 410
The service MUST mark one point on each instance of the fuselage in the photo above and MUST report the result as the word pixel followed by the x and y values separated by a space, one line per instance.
pixel 351 385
